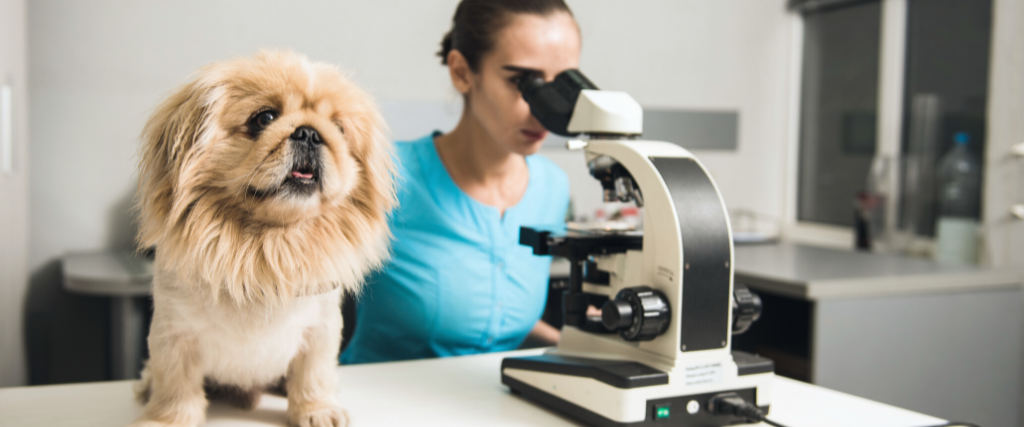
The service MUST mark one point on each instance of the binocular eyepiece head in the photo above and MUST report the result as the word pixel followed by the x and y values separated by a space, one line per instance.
pixel 552 103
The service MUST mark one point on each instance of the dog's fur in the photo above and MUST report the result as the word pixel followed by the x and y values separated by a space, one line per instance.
pixel 257 234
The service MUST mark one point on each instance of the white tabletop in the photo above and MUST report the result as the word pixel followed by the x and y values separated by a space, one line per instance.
pixel 456 391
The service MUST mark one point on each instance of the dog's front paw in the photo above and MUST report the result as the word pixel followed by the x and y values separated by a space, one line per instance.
pixel 318 415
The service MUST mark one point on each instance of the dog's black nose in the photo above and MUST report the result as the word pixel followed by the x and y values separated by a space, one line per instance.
pixel 306 134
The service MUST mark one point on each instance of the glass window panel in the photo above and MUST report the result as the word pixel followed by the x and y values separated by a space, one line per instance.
pixel 839 109
pixel 944 93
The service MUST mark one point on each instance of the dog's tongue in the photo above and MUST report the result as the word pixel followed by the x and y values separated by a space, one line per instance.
pixel 297 174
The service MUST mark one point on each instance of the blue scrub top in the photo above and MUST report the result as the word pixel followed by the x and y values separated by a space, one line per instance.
pixel 458 281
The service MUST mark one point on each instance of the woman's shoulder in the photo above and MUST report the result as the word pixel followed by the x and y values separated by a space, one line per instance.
pixel 409 153
pixel 413 159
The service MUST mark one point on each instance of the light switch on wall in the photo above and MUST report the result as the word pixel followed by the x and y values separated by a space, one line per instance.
pixel 1017 211
pixel 6 131
pixel 1018 149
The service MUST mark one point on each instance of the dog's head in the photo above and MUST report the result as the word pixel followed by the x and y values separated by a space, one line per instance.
pixel 266 177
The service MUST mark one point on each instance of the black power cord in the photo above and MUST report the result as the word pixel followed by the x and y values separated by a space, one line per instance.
pixel 733 404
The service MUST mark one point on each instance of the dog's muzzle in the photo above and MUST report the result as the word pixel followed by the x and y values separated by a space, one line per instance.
pixel 304 178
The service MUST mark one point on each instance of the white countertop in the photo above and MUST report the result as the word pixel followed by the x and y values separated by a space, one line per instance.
pixel 456 391
pixel 108 273
pixel 815 273
pixel 788 269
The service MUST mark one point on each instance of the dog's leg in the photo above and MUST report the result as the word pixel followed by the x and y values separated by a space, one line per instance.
pixel 145 385
pixel 176 395
pixel 311 378
pixel 278 388
pixel 239 397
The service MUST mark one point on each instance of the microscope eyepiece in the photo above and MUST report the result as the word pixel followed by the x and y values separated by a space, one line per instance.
pixel 530 82
pixel 553 103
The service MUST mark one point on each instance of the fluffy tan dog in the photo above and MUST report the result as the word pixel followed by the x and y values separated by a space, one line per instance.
pixel 265 185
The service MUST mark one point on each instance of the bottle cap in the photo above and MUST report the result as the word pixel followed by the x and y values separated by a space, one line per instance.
pixel 962 138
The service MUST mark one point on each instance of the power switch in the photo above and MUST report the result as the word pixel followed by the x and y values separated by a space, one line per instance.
pixel 662 411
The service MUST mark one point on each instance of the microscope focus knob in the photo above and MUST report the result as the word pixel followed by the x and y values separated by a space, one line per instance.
pixel 638 314
pixel 746 308
pixel 617 314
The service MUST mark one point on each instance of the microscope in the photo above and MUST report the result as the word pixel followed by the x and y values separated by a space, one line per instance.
pixel 659 353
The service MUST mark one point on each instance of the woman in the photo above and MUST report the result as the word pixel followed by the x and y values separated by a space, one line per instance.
pixel 459 282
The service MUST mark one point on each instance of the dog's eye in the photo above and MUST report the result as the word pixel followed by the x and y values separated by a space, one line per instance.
pixel 261 120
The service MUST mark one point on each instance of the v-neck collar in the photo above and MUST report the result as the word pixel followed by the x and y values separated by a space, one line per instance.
pixel 450 193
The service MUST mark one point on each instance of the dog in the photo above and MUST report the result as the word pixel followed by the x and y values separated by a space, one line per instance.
pixel 265 185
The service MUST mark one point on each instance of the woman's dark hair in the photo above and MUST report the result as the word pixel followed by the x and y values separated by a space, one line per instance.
pixel 477 21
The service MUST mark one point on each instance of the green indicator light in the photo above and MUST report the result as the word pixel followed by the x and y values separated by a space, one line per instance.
pixel 662 413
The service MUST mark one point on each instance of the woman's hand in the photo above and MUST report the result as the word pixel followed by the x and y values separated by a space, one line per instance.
pixel 544 333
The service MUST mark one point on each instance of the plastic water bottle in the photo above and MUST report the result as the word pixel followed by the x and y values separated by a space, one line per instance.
pixel 959 176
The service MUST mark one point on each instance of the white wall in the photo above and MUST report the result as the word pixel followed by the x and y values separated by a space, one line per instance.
pixel 700 55
pixel 713 55
pixel 14 196
pixel 99 67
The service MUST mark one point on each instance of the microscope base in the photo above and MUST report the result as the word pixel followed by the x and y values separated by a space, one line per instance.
pixel 591 418
pixel 622 393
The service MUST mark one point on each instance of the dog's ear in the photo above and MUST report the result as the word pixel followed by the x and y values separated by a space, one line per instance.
pixel 370 146
pixel 168 147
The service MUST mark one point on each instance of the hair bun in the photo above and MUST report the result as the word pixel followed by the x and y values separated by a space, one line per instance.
pixel 476 22
pixel 446 46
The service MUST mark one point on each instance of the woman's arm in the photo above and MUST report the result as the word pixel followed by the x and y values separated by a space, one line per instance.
pixel 544 333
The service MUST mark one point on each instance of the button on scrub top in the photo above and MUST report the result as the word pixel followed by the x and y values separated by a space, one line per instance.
pixel 458 281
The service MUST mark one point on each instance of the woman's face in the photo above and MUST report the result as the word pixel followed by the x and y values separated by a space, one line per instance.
pixel 546 45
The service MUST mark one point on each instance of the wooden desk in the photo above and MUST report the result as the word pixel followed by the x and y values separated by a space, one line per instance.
pixel 457 391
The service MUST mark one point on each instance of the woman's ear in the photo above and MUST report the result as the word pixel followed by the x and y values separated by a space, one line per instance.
pixel 459 71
